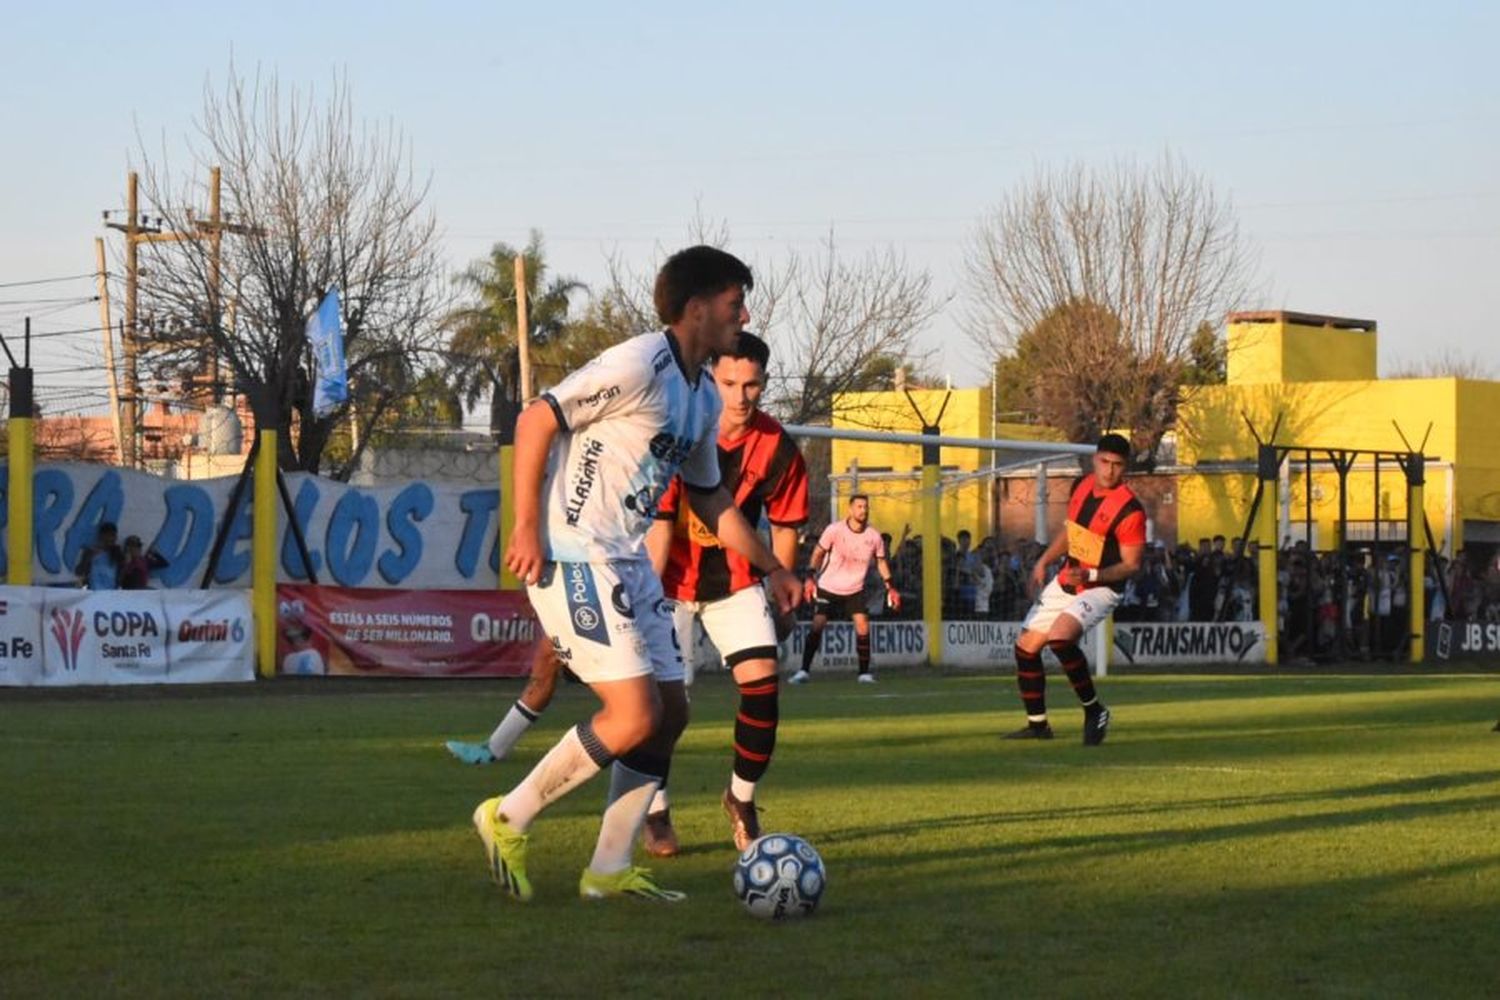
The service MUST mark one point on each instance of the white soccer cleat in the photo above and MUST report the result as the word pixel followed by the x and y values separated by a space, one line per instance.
pixel 800 677
pixel 867 678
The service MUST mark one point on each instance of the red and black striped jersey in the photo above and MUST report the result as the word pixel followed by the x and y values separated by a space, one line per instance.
pixel 765 473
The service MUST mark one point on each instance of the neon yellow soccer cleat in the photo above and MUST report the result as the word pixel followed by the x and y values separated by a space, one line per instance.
pixel 504 850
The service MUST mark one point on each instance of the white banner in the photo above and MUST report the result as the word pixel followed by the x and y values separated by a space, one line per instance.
pixel 892 644
pixel 1190 642
pixel 56 637
pixel 20 636
pixel 993 644
pixel 419 536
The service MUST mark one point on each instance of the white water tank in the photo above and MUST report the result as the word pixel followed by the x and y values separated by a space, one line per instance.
pixel 220 431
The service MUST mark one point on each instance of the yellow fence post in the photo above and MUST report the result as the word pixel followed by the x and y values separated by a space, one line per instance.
pixel 1268 466
pixel 1416 541
pixel 263 552
pixel 18 529
pixel 932 549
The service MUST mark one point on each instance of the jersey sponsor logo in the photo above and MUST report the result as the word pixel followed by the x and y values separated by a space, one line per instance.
pixel 584 609
pixel 620 598
pixel 671 449
pixel 584 479
pixel 661 362
pixel 642 501
pixel 602 396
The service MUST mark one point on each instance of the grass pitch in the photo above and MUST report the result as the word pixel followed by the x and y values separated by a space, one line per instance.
pixel 1293 836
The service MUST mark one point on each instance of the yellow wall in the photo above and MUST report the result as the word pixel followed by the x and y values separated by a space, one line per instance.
pixel 1344 414
pixel 1283 351
pixel 895 503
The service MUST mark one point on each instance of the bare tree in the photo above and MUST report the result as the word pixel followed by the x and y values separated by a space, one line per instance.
pixel 1114 273
pixel 835 325
pixel 312 200
pixel 1447 363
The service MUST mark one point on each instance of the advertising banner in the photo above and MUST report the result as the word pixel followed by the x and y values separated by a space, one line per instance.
pixel 58 637
pixel 982 644
pixel 892 644
pixel 426 633
pixel 1462 641
pixel 1190 642
pixel 420 535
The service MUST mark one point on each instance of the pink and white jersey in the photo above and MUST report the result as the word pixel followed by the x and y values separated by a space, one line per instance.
pixel 849 555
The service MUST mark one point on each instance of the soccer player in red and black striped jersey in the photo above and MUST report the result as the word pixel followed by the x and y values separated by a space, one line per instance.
pixel 1104 540
pixel 765 472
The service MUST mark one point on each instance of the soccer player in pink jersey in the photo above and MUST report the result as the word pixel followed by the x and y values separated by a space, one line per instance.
pixel 836 582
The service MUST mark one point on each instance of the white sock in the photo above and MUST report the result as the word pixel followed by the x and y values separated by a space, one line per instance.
pixel 741 789
pixel 659 801
pixel 511 728
pixel 566 766
pixel 630 793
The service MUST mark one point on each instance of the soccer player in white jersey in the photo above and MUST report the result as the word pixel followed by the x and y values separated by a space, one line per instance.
pixel 836 582
pixel 592 457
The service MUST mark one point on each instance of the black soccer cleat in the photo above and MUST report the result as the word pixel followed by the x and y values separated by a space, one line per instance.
pixel 1095 725
pixel 1031 731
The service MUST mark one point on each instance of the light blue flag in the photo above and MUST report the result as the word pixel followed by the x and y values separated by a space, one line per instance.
pixel 325 333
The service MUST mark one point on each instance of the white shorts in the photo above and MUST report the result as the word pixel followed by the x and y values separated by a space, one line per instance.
pixel 1088 607
pixel 740 626
pixel 607 621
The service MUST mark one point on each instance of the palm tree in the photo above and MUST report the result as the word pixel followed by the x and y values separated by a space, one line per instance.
pixel 482 350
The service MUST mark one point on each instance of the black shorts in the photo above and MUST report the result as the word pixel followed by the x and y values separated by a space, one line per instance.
pixel 840 605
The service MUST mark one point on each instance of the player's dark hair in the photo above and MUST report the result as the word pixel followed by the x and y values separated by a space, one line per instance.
pixel 700 270
pixel 749 347
pixel 859 496
pixel 1115 444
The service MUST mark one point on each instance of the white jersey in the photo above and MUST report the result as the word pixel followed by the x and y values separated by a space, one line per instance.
pixel 630 420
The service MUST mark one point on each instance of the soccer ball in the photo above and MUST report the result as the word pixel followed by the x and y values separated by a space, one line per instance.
pixel 779 876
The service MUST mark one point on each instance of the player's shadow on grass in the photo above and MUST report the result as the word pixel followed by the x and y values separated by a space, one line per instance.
pixel 1098 843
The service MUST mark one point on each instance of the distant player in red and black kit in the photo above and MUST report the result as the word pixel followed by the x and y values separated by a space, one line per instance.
pixel 837 571
pixel 763 469
pixel 1105 540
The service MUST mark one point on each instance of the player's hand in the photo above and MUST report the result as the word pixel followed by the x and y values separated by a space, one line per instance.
pixel 810 590
pixel 1073 577
pixel 893 597
pixel 784 589
pixel 1038 578
pixel 524 557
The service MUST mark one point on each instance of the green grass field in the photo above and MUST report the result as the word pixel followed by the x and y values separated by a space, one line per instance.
pixel 1292 836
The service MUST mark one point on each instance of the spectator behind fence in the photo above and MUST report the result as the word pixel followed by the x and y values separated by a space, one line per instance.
pixel 99 564
pixel 136 567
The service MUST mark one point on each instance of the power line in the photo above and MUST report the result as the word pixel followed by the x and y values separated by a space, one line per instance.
pixel 75 300
pixel 47 281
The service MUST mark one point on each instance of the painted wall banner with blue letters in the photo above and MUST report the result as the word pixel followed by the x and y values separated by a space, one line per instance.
pixel 53 637
pixel 419 535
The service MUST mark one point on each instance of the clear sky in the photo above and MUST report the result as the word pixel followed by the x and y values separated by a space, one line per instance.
pixel 1360 143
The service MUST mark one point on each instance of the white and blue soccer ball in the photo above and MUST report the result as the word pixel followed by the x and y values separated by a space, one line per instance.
pixel 779 876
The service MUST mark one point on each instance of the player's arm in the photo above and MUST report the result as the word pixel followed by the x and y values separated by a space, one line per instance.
pixel 1049 555
pixel 784 545
pixel 535 430
pixel 716 509
pixel 659 544
pixel 892 595
pixel 1129 564
pixel 814 567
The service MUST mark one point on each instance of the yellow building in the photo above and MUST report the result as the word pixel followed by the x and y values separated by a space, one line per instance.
pixel 890 473
pixel 1313 378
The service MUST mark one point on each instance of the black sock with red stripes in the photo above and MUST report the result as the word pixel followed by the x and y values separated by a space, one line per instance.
pixel 755 732
pixel 811 647
pixel 1076 666
pixel 1031 678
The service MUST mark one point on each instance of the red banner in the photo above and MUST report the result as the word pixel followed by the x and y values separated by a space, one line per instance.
pixel 363 631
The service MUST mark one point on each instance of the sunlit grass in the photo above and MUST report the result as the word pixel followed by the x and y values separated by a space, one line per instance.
pixel 1236 836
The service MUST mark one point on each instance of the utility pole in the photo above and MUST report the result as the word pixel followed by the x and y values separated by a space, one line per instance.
pixel 106 328
pixel 523 328
pixel 137 232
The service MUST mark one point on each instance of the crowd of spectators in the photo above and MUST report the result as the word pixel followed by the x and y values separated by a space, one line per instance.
pixel 1329 607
